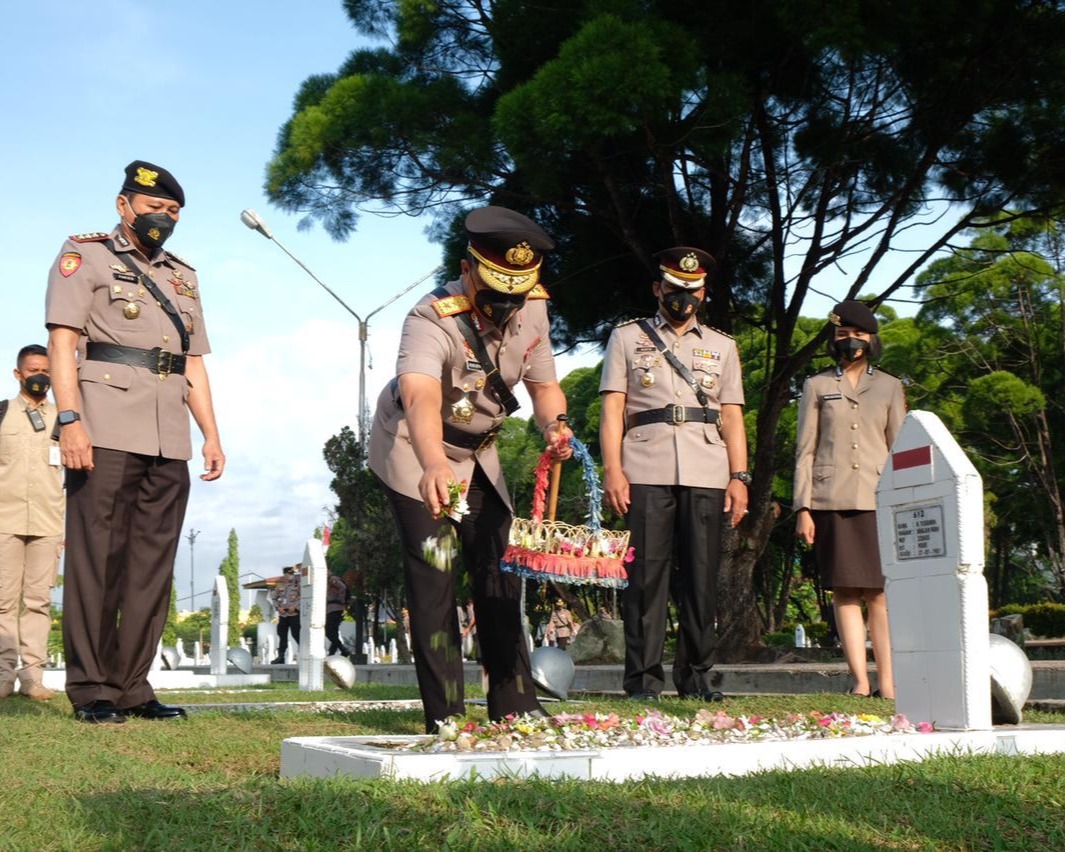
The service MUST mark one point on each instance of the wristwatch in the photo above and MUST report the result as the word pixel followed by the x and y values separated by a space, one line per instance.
pixel 742 475
pixel 65 418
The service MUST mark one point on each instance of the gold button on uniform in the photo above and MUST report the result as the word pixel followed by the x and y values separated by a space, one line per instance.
pixel 107 377
pixel 854 405
pixel 854 466
pixel 854 446
pixel 854 427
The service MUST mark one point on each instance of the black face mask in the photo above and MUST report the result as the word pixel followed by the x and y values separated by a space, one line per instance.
pixel 152 229
pixel 679 304
pixel 37 385
pixel 851 348
pixel 498 308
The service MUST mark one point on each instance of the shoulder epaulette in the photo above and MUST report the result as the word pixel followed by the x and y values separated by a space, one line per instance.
pixel 628 322
pixel 180 260
pixel 538 292
pixel 451 305
pixel 719 331
pixel 94 237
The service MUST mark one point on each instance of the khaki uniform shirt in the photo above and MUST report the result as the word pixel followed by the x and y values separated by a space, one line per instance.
pixel 285 596
pixel 691 454
pixel 31 480
pixel 95 291
pixel 432 344
pixel 843 439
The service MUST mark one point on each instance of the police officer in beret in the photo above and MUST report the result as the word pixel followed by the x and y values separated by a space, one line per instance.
pixel 849 417
pixel 675 464
pixel 126 344
pixel 462 350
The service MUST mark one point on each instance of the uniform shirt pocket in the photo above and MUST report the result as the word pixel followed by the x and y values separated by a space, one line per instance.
pixel 823 472
pixel 100 372
pixel 712 433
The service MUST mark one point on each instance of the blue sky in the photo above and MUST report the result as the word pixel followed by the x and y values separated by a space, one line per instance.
pixel 202 89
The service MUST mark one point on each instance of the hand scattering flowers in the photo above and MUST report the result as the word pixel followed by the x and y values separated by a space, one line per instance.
pixel 441 548
pixel 581 731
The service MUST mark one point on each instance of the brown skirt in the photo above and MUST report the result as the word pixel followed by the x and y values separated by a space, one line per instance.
pixel 846 549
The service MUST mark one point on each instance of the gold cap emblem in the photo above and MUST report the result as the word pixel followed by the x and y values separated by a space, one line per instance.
pixel 834 318
pixel 689 263
pixel 153 233
pixel 146 177
pixel 131 311
pixel 520 255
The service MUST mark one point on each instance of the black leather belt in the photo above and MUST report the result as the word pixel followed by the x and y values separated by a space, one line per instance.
pixel 674 414
pixel 475 441
pixel 162 362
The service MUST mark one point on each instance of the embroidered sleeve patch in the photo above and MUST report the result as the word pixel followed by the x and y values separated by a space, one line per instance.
pixel 69 263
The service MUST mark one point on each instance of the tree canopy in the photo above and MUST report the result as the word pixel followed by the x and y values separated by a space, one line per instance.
pixel 794 141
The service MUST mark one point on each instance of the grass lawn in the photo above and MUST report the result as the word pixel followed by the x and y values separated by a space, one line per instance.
pixel 211 783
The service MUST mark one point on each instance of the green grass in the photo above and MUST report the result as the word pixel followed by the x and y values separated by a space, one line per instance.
pixel 211 783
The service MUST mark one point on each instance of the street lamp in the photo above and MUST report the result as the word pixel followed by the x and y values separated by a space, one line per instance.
pixel 256 222
pixel 192 569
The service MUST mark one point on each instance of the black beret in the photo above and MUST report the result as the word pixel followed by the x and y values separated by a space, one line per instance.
pixel 508 247
pixel 148 179
pixel 855 314
pixel 684 266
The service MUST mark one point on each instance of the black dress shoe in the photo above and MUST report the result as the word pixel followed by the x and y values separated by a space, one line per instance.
pixel 99 712
pixel 277 662
pixel 154 710
pixel 710 696
pixel 645 697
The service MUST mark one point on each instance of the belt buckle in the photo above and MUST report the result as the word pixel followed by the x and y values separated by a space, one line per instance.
pixel 678 413
pixel 164 363
pixel 486 441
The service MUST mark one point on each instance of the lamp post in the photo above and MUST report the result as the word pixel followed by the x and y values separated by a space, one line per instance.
pixel 256 222
pixel 192 568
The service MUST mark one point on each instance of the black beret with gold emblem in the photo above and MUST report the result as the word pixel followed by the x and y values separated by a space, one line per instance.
pixel 148 179
pixel 684 266
pixel 854 314
pixel 508 248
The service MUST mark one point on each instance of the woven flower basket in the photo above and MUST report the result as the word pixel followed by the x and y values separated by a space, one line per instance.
pixel 566 553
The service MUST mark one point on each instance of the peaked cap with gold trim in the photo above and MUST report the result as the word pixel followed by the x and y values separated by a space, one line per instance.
pixel 148 179
pixel 508 247
pixel 684 266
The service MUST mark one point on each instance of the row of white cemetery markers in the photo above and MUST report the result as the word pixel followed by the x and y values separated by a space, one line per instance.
pixel 930 522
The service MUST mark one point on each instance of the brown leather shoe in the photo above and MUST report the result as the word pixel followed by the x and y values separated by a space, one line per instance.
pixel 37 691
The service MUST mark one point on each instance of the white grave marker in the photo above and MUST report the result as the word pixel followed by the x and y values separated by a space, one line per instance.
pixel 312 616
pixel 219 625
pixel 930 522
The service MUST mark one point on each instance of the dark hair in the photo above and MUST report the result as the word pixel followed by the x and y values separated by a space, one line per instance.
pixel 26 351
pixel 871 354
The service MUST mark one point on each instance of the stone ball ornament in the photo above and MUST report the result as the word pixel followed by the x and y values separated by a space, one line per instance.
pixel 1011 680
pixel 340 670
pixel 170 658
pixel 553 671
pixel 240 659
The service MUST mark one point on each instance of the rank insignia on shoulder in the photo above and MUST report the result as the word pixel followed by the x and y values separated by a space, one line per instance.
pixel 538 292
pixel 451 305
pixel 719 331
pixel 627 322
pixel 180 260
pixel 94 237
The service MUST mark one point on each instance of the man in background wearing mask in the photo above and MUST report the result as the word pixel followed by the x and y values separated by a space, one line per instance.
pixel 130 311
pixel 675 464
pixel 31 525
pixel 463 348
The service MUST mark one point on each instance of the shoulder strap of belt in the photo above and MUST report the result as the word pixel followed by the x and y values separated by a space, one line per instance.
pixel 674 362
pixel 495 380
pixel 157 294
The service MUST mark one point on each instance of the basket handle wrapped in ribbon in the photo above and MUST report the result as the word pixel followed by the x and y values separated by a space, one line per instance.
pixel 564 553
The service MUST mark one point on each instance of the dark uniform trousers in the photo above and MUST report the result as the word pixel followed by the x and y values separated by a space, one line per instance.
pixel 660 516
pixel 287 625
pixel 124 518
pixel 434 624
